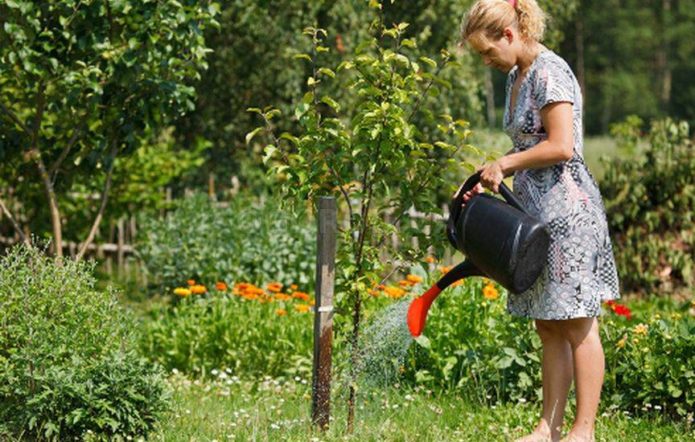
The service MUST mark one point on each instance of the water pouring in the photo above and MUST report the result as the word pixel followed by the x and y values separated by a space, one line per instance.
pixel 500 239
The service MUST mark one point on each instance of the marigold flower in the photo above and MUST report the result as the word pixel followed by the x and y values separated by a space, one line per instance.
pixel 293 287
pixel 457 283
pixel 373 292
pixel 198 289
pixel 282 297
pixel 301 295
pixel 221 286
pixel 180 291
pixel 281 312
pixel 640 329
pixel 394 292
pixel 274 287
pixel 445 269
pixel 490 292
pixel 190 282
pixel 302 308
pixel 413 278
pixel 430 259
pixel 405 283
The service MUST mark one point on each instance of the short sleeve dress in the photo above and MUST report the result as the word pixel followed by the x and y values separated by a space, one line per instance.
pixel 580 273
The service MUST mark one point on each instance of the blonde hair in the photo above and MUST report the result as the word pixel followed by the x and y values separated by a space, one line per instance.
pixel 492 16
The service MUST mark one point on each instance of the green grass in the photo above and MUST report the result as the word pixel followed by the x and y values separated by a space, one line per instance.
pixel 276 410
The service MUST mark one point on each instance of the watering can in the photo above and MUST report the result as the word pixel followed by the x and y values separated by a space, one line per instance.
pixel 500 239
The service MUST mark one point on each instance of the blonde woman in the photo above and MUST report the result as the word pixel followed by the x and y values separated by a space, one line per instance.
pixel 543 117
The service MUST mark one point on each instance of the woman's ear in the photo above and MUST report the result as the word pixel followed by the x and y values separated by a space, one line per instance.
pixel 508 34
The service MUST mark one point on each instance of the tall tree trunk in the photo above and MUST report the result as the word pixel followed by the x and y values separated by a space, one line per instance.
pixel 52 203
pixel 662 61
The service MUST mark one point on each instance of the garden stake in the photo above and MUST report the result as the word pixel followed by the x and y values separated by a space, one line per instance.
pixel 323 313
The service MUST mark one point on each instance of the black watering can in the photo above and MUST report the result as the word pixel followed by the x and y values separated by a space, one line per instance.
pixel 500 240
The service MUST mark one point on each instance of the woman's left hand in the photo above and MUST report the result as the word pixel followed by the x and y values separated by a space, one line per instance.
pixel 492 175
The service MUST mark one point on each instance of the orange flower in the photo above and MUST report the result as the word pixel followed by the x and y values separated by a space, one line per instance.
pixel 373 292
pixel 282 297
pixel 274 287
pixel 198 289
pixel 490 292
pixel 394 292
pixel 445 269
pixel 182 292
pixel 191 282
pixel 300 295
pixel 302 308
pixel 281 312
pixel 414 279
pixel 293 287
pixel 430 259
pixel 457 283
pixel 405 283
pixel 221 286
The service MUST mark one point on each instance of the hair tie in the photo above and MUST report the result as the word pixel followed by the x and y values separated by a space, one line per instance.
pixel 513 3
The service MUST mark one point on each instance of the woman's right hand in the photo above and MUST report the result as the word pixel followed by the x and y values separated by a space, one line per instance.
pixel 478 188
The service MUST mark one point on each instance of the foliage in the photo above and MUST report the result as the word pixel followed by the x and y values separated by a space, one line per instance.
pixel 66 360
pixel 477 351
pixel 250 241
pixel 650 202
pixel 83 82
pixel 203 333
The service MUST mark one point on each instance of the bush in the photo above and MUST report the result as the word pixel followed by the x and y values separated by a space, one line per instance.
pixel 66 368
pixel 248 330
pixel 650 203
pixel 243 242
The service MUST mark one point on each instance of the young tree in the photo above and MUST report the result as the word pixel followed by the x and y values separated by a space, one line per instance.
pixel 82 81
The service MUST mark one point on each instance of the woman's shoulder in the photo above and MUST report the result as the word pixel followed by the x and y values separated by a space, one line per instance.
pixel 551 61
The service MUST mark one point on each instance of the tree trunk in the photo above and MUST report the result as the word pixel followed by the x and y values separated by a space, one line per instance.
pixel 52 204
pixel 665 73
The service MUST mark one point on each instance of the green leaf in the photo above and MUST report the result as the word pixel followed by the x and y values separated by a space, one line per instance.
pixel 331 102
pixel 327 72
pixel 303 57
pixel 428 61
pixel 269 151
pixel 253 133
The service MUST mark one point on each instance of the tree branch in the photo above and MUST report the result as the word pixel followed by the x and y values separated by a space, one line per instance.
pixel 16 226
pixel 102 206
pixel 14 118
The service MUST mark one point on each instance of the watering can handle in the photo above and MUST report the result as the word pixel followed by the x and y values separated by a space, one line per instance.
pixel 455 207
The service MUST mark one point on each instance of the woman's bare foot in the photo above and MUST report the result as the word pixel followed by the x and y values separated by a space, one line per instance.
pixel 540 434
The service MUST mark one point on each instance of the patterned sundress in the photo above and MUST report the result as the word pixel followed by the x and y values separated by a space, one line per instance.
pixel 580 273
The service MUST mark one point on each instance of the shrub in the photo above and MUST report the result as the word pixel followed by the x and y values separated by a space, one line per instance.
pixel 249 330
pixel 650 203
pixel 208 243
pixel 66 368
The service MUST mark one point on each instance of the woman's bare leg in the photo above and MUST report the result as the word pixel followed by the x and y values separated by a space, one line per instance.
pixel 589 367
pixel 557 378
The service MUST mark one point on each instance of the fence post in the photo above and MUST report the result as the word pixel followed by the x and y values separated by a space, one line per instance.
pixel 323 311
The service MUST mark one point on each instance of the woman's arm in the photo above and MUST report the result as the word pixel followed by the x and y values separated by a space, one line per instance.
pixel 557 120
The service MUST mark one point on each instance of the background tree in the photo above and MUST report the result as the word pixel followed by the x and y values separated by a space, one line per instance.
pixel 82 83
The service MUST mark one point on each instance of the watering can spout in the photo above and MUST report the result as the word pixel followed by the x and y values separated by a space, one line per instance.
pixel 417 312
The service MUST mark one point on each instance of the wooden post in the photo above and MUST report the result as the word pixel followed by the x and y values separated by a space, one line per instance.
pixel 323 313
pixel 212 194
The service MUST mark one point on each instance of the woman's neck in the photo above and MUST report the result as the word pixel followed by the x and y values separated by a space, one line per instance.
pixel 527 56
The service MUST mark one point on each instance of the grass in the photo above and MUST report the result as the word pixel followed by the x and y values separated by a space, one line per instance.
pixel 228 408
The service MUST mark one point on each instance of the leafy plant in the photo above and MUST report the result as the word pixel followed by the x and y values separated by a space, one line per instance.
pixel 245 241
pixel 67 365
pixel 650 202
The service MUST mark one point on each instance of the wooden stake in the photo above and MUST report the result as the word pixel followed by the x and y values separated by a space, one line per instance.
pixel 323 313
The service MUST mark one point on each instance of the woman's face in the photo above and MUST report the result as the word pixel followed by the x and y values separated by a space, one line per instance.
pixel 499 54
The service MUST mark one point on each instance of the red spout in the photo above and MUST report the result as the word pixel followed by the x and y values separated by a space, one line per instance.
pixel 417 312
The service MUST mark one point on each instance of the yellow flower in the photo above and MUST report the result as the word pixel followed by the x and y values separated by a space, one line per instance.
pixel 640 329
pixel 302 308
pixel 621 343
pixel 198 289
pixel 490 292
pixel 182 291
pixel 414 279
pixel 281 312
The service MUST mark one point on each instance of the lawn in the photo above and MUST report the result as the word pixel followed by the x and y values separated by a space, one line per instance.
pixel 228 408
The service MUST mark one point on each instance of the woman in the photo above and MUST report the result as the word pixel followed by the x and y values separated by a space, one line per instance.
pixel 543 117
